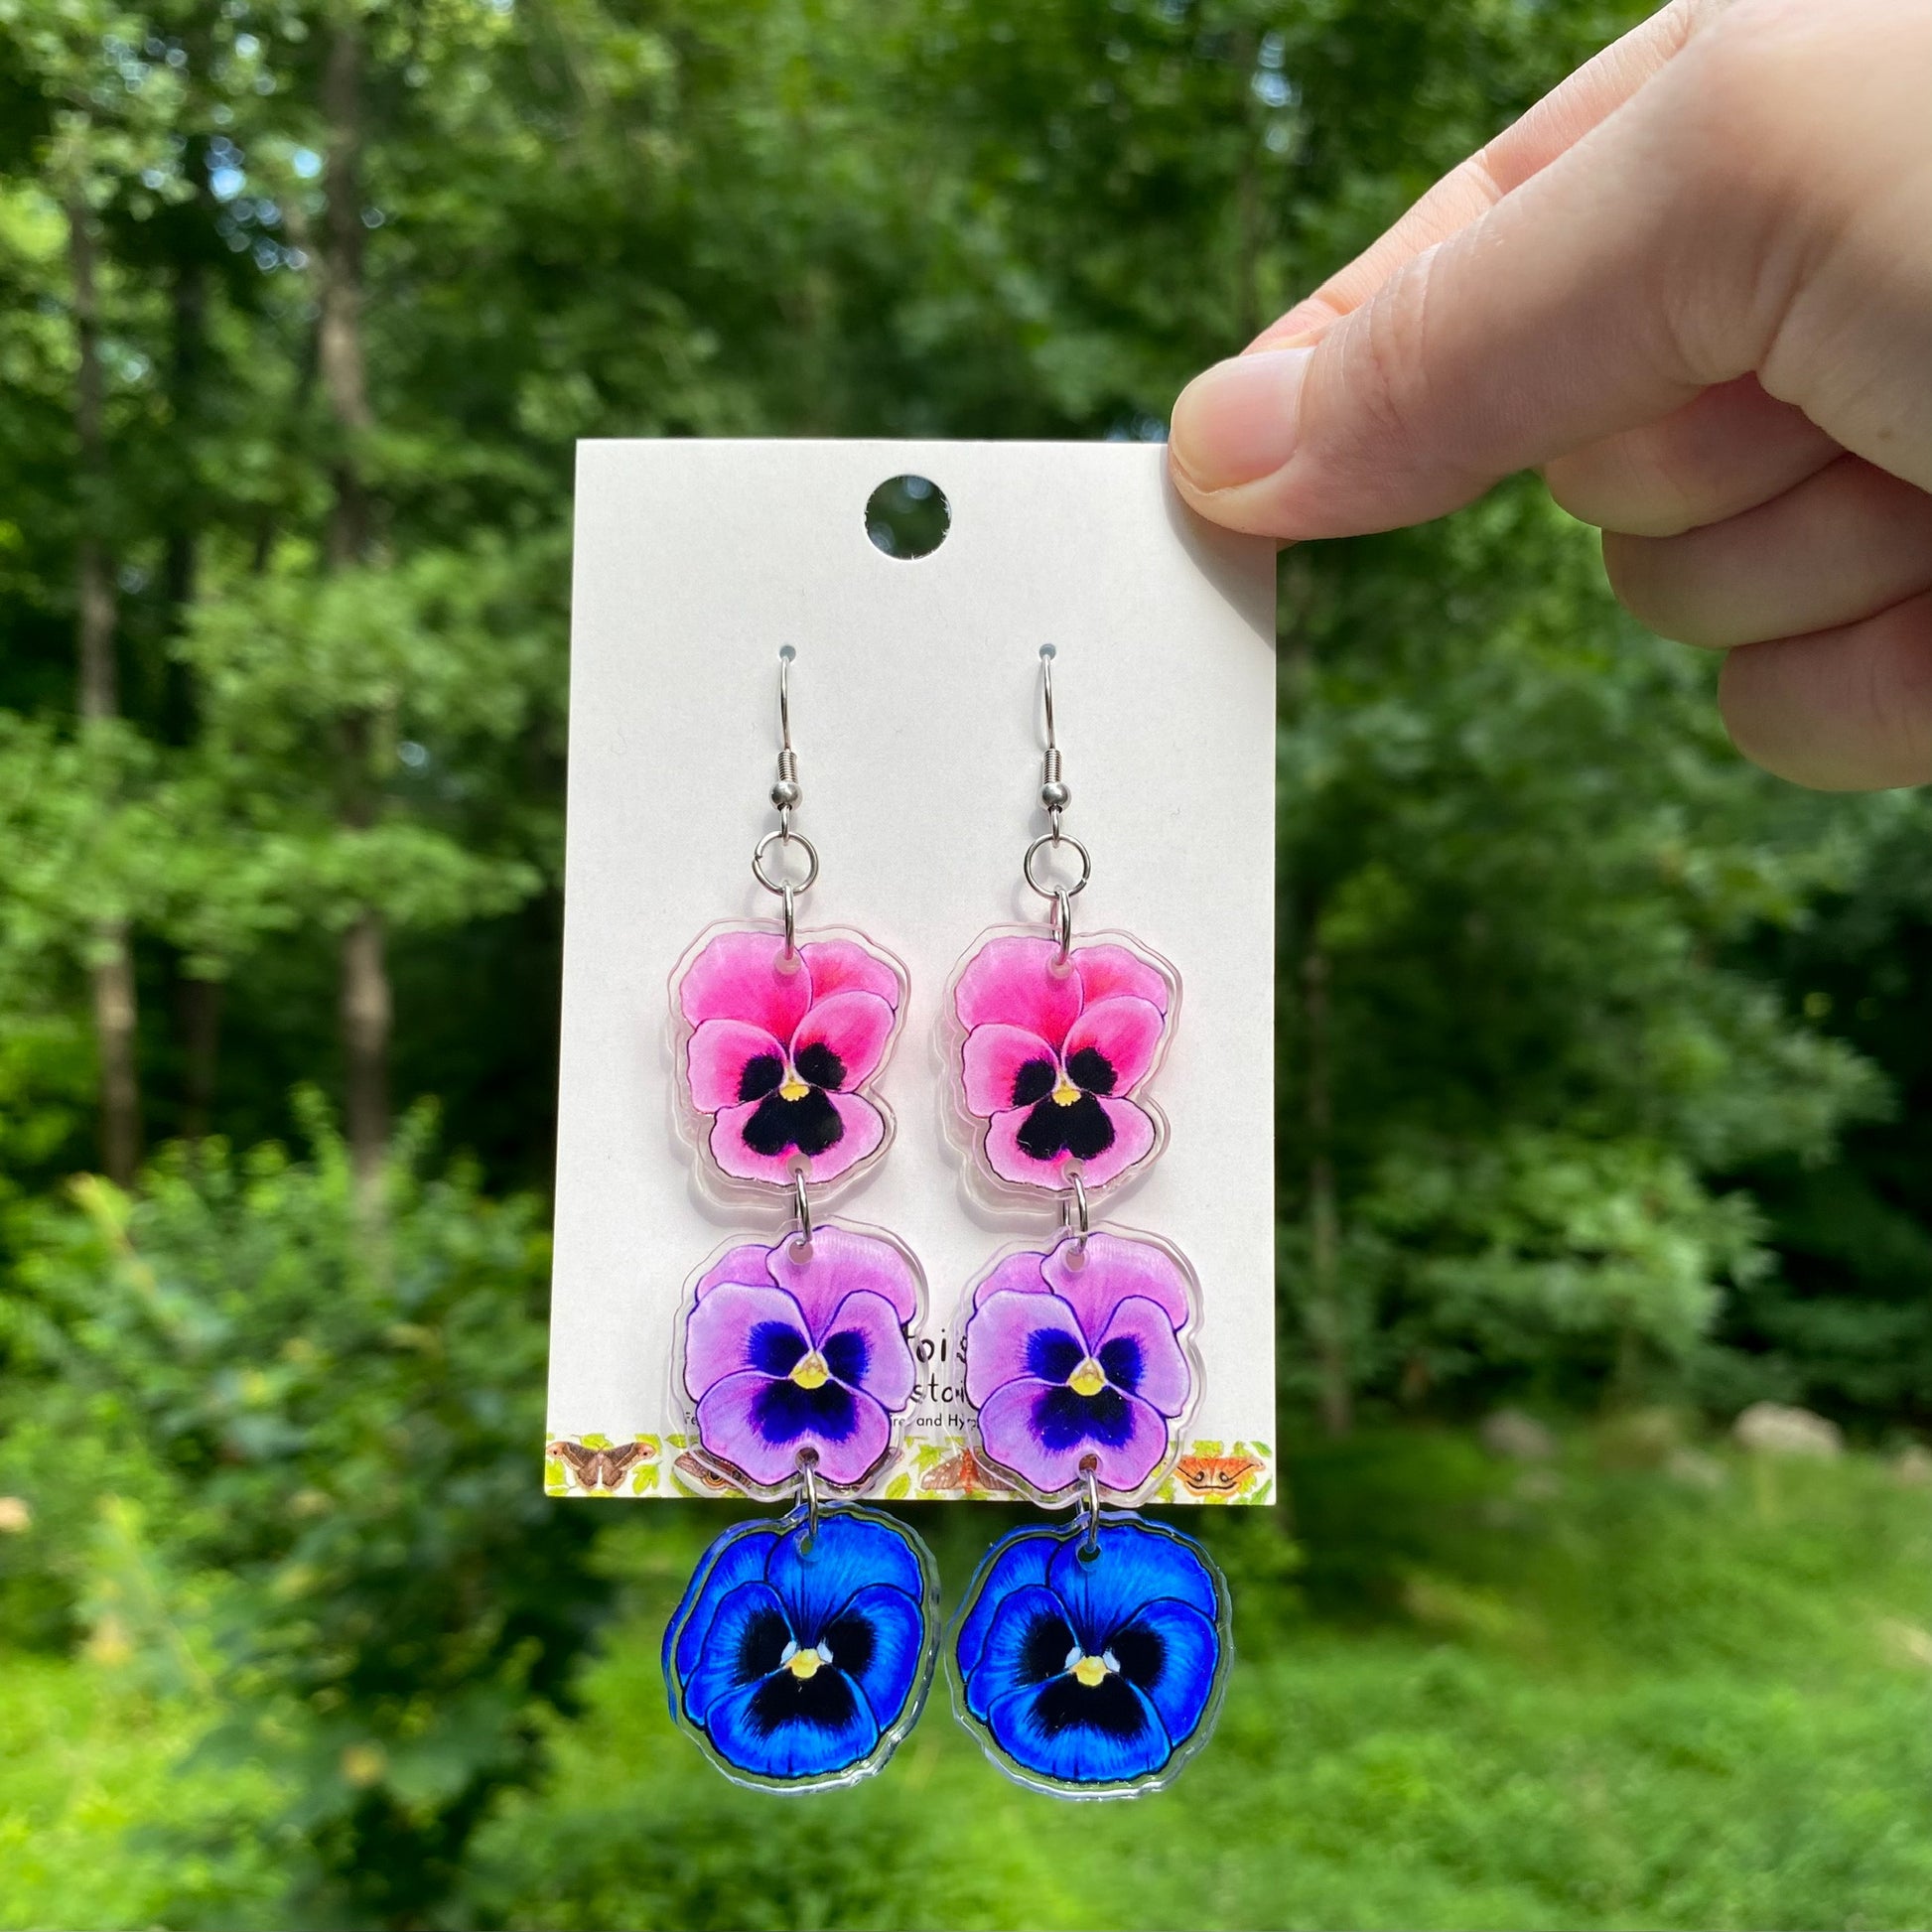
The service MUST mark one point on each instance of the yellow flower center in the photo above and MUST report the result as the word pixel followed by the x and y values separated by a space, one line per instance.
pixel 1089 1670
pixel 810 1372
pixel 792 1087
pixel 1065 1094
pixel 1088 1379
pixel 803 1664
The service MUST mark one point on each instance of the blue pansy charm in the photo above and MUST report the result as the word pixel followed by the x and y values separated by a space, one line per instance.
pixel 803 1649
pixel 1089 1661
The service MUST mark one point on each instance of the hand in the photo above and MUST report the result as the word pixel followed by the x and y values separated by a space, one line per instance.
pixel 1695 286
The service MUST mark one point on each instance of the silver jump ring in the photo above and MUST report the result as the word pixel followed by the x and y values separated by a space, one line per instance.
pixel 1073 1209
pixel 808 1493
pixel 1056 840
pixel 790 897
pixel 763 875
pixel 1090 1507
pixel 801 1207
pixel 1063 923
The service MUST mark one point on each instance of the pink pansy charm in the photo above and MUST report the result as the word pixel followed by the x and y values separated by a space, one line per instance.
pixel 788 1349
pixel 1052 1060
pixel 1077 1355
pixel 780 1053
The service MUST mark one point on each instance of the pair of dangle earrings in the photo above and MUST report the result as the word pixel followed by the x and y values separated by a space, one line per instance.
pixel 1087 1659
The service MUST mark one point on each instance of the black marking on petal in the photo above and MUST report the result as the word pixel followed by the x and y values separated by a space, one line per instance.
pixel 847 1356
pixel 1034 1081
pixel 761 1644
pixel 1088 1131
pixel 777 1347
pixel 824 1701
pixel 852 1641
pixel 781 1411
pixel 1080 1129
pixel 1141 1653
pixel 811 1125
pixel 820 1065
pixel 1052 1354
pixel 760 1074
pixel 1062 1418
pixel 1092 1069
pixel 1121 1361
pixel 1108 1707
pixel 1044 1652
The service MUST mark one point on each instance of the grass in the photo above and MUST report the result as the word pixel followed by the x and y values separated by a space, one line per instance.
pixel 1605 1691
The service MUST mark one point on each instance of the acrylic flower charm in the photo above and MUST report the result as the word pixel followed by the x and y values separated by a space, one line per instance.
pixel 780 1053
pixel 1052 1060
pixel 1096 1674
pixel 788 1351
pixel 1075 1357
pixel 803 1662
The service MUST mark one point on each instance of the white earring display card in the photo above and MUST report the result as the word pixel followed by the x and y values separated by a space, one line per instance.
pixel 915 702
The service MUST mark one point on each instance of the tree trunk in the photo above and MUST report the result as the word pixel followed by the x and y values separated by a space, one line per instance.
pixel 1325 1222
pixel 200 1035
pixel 98 698
pixel 367 1003
pixel 367 1018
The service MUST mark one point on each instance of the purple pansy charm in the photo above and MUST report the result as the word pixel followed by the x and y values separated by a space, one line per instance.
pixel 1077 1358
pixel 797 1350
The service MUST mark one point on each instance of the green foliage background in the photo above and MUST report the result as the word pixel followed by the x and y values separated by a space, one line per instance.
pixel 1603 1082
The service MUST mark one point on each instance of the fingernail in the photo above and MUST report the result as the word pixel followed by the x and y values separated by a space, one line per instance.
pixel 1238 420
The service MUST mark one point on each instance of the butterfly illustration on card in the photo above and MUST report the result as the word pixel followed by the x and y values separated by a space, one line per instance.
pixel 606 1467
pixel 962 1469
pixel 1217 1475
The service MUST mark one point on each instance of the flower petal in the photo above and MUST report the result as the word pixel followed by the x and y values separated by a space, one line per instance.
pixel 866 1348
pixel 749 1262
pixel 1006 1067
pixel 788 1726
pixel 844 1262
pixel 860 1128
pixel 1170 1652
pixel 1027 1643
pixel 1076 1734
pixel 1136 1566
pixel 738 1556
pixel 736 1329
pixel 1111 972
pixel 741 1643
pixel 1043 1432
pixel 1140 1354
pixel 877 1640
pixel 840 1042
pixel 740 976
pixel 1010 1136
pixel 1012 1336
pixel 841 966
pixel 1010 982
pixel 760 1424
pixel 1020 1560
pixel 1110 1269
pixel 849 1554
pixel 1016 1275
pixel 728 1061
pixel 1110 1047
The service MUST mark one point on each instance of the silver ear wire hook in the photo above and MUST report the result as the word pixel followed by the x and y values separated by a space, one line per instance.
pixel 1054 797
pixel 1054 794
pixel 786 796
